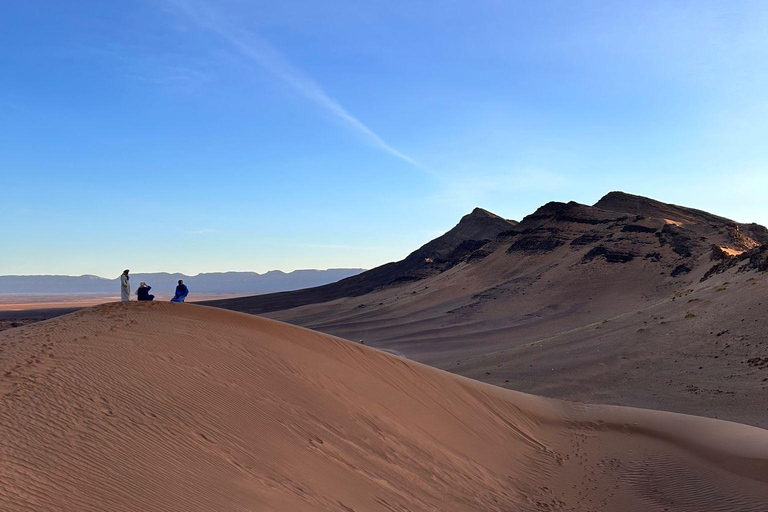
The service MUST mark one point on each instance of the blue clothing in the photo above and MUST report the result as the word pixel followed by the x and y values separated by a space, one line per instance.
pixel 181 293
pixel 143 293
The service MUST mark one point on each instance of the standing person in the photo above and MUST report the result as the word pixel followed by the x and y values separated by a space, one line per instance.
pixel 181 292
pixel 125 286
pixel 143 292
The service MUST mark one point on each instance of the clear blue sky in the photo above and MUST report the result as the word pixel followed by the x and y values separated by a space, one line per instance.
pixel 187 135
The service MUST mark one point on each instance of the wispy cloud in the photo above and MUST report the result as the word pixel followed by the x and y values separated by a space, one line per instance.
pixel 259 51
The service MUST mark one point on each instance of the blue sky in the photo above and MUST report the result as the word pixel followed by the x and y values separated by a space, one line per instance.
pixel 193 136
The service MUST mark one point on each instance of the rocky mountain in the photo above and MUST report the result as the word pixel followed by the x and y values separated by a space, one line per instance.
pixel 629 301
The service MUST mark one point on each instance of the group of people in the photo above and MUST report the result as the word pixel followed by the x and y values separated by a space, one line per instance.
pixel 143 292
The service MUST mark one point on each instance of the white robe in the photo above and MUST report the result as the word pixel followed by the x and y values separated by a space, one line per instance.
pixel 125 288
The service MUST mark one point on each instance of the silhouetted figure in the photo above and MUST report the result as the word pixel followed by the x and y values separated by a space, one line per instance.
pixel 181 292
pixel 143 292
pixel 125 286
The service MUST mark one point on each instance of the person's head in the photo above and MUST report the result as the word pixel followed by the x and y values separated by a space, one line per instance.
pixel 142 283
pixel 126 271
pixel 181 282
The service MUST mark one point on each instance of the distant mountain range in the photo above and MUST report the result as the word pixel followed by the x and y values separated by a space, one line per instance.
pixel 215 282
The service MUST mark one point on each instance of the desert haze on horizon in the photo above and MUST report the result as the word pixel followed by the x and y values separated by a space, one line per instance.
pixel 56 291
pixel 178 407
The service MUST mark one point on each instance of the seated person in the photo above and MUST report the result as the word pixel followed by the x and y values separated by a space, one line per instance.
pixel 143 292
pixel 181 292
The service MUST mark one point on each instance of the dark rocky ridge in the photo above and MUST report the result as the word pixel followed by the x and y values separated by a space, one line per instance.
pixel 638 205
pixel 619 229
pixel 646 207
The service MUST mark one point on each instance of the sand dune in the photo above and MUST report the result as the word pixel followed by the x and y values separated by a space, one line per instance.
pixel 156 406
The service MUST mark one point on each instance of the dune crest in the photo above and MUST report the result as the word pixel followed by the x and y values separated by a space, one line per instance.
pixel 157 406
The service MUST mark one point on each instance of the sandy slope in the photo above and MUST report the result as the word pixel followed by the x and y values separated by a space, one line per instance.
pixel 156 406
pixel 683 348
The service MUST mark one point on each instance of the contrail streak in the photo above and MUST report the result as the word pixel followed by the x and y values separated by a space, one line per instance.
pixel 264 54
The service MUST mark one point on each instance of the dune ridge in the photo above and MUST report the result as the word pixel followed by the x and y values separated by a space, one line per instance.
pixel 157 406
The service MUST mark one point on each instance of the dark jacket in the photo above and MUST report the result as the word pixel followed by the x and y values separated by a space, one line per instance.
pixel 182 290
pixel 143 293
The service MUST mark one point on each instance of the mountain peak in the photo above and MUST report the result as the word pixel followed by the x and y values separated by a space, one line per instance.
pixel 622 202
pixel 483 214
pixel 620 195
pixel 626 203
pixel 481 223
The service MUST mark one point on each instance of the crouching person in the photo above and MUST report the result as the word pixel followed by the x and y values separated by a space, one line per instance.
pixel 143 292
pixel 181 292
